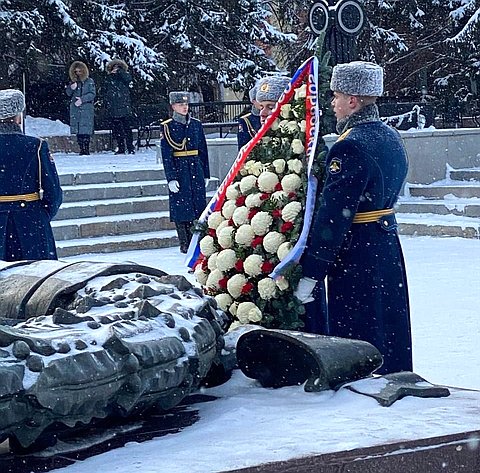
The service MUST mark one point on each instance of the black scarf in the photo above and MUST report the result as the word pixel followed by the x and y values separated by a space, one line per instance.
pixel 367 114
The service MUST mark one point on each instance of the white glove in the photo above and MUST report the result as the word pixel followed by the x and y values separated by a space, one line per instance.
pixel 207 180
pixel 78 102
pixel 174 186
pixel 304 290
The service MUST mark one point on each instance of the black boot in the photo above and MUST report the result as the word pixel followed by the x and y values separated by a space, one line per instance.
pixel 84 144
pixel 184 235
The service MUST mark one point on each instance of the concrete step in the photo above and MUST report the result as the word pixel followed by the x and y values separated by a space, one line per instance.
pixel 99 177
pixel 111 225
pixel 461 207
pixel 102 208
pixel 429 224
pixel 465 175
pixel 463 190
pixel 114 244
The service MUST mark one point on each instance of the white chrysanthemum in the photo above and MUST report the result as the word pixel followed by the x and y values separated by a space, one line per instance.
pixel 285 110
pixel 261 223
pixel 297 146
pixel 283 250
pixel 226 260
pixel 247 183
pixel 303 126
pixel 258 168
pixel 207 245
pixel 215 219
pixel 228 208
pixel 213 278
pixel 235 324
pixel 253 265
pixel 282 283
pixel 200 275
pixel 248 166
pixel 240 216
pixel 225 237
pixel 267 181
pixel 244 235
pixel 283 125
pixel 295 165
pixel 253 200
pixel 275 124
pixel 291 210
pixel 272 241
pixel 279 197
pixel 233 191
pixel 291 182
pixel 267 289
pixel 279 165
pixel 212 262
pixel 235 285
pixel 223 225
pixel 233 308
pixel 301 92
pixel 248 312
pixel 224 301
pixel 292 127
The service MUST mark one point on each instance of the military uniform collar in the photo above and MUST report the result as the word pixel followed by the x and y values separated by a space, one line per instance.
pixel 9 128
pixel 367 114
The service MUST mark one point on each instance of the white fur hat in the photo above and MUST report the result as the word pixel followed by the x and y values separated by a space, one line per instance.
pixel 12 103
pixel 358 78
pixel 270 88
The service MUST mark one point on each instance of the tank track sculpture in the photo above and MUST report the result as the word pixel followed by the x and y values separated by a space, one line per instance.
pixel 80 341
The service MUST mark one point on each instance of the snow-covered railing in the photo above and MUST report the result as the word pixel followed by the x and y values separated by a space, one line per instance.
pixel 397 120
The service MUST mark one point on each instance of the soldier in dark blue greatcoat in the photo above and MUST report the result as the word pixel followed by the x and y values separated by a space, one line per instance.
pixel 185 160
pixel 353 241
pixel 249 124
pixel 30 192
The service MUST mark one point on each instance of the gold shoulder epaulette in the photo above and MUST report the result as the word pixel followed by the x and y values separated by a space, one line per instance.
pixel 246 115
pixel 166 121
pixel 344 134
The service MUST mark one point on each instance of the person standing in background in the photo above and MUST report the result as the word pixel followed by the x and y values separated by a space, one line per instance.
pixel 30 192
pixel 118 104
pixel 82 92
pixel 249 124
pixel 185 161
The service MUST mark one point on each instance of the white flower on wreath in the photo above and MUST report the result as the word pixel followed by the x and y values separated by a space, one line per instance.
pixel 253 265
pixel 235 324
pixel 297 146
pixel 207 245
pixel 291 210
pixel 233 308
pixel 303 126
pixel 215 219
pixel 261 223
pixel 226 260
pixel 301 92
pixel 279 197
pixel 228 208
pixel 283 250
pixel 235 285
pixel 275 125
pixel 233 191
pixel 212 262
pixel 240 216
pixel 282 283
pixel 285 110
pixel 244 235
pixel 272 241
pixel 279 165
pixel 200 275
pixel 267 289
pixel 283 126
pixel 247 183
pixel 225 237
pixel 266 140
pixel 291 182
pixel 292 127
pixel 253 200
pixel 267 181
pixel 223 225
pixel 295 165
pixel 249 166
pixel 213 278
pixel 248 312
pixel 224 301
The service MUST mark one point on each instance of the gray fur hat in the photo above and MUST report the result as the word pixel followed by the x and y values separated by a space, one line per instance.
pixel 252 93
pixel 270 88
pixel 358 78
pixel 12 103
pixel 178 97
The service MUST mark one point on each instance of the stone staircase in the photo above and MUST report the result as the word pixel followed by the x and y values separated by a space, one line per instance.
pixel 104 212
pixel 450 207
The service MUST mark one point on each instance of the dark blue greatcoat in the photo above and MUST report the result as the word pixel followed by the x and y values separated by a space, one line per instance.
pixel 248 125
pixel 190 171
pixel 363 262
pixel 25 231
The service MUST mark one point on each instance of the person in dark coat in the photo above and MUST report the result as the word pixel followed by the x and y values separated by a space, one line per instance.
pixel 249 124
pixel 185 161
pixel 118 104
pixel 82 92
pixel 30 192
pixel 353 241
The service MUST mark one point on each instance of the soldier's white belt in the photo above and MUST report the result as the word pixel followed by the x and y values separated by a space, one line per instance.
pixel 180 154
pixel 373 216
pixel 20 197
